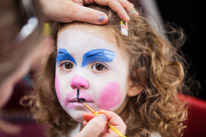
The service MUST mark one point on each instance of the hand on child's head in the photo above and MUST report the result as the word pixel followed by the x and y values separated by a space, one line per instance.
pixel 75 11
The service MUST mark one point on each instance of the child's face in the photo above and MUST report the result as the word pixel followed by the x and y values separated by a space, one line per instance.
pixel 88 59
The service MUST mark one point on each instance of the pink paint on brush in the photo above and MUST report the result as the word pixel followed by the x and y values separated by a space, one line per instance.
pixel 110 97
pixel 57 86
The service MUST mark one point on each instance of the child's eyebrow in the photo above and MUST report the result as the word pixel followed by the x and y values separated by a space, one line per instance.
pixel 97 55
pixel 62 54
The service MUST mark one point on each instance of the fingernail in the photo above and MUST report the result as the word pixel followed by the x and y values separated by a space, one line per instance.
pixel 127 18
pixel 103 116
pixel 101 19
pixel 133 11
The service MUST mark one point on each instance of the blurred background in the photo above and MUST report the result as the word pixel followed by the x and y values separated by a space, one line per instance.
pixel 190 15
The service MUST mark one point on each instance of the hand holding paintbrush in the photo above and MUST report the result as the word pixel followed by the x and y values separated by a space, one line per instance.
pixel 113 119
pixel 82 100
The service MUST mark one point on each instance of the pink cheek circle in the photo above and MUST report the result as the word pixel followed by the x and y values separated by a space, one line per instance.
pixel 57 86
pixel 110 96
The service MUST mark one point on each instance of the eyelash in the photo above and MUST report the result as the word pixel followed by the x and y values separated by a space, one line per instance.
pixel 63 63
pixel 62 66
pixel 94 69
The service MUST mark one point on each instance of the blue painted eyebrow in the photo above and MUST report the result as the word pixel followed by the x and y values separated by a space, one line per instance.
pixel 97 55
pixel 62 54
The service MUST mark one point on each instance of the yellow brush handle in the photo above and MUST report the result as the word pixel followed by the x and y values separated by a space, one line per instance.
pixel 96 113
pixel 110 126
pixel 116 130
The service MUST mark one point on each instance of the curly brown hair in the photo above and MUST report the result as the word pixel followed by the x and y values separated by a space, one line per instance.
pixel 154 64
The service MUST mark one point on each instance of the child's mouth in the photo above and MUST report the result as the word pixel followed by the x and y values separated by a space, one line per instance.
pixel 77 98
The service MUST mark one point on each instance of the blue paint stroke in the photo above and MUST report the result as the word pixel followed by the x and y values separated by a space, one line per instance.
pixel 62 55
pixel 97 55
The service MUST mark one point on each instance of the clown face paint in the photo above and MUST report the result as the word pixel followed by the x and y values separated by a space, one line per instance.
pixel 88 59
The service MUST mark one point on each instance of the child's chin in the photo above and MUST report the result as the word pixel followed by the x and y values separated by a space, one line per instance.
pixel 77 116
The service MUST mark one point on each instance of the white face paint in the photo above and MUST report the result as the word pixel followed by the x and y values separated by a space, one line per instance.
pixel 88 59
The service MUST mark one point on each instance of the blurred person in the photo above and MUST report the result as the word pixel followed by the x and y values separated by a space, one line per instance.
pixel 17 48
pixel 19 38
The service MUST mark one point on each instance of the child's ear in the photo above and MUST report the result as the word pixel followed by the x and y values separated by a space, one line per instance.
pixel 134 90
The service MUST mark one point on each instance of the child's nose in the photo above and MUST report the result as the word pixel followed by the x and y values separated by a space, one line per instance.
pixel 79 82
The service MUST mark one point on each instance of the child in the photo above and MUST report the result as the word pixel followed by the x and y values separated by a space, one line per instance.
pixel 137 76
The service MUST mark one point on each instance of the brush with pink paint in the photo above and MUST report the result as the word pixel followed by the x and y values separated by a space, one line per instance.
pixel 82 100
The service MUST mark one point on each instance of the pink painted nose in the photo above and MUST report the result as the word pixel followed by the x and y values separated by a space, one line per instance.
pixel 79 82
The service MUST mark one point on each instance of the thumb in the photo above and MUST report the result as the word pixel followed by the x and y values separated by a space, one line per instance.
pixel 88 15
pixel 94 127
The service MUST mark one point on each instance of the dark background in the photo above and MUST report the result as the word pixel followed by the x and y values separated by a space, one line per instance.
pixel 190 15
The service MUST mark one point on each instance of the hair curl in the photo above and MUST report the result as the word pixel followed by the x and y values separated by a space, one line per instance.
pixel 154 64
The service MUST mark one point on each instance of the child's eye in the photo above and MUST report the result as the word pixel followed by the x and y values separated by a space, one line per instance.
pixel 67 65
pixel 98 67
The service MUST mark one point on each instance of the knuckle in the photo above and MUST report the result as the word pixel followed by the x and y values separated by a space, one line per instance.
pixel 113 113
pixel 124 126
pixel 97 125
pixel 132 5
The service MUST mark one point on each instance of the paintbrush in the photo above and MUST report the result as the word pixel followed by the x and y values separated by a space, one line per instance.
pixel 82 100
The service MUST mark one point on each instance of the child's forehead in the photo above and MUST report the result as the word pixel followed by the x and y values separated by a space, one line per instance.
pixel 97 30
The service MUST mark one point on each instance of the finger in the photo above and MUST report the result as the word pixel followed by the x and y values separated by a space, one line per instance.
pixel 116 7
pixel 112 117
pixel 81 13
pixel 84 123
pixel 129 7
pixel 57 11
pixel 68 11
pixel 80 2
pixel 94 127
pixel 115 120
pixel 88 116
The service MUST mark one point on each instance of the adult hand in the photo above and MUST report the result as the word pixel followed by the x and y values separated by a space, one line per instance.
pixel 97 125
pixel 73 10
